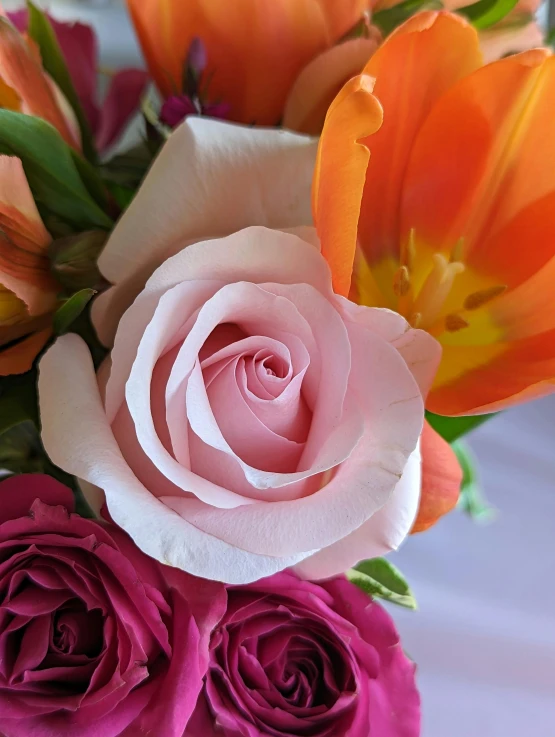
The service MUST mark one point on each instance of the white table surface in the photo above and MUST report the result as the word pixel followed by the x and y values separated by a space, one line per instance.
pixel 484 637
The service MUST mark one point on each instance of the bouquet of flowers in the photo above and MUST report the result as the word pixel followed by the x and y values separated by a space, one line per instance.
pixel 237 359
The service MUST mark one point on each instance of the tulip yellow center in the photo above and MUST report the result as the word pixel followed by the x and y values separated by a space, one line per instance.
pixel 434 290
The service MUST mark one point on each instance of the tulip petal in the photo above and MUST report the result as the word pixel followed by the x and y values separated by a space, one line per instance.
pixel 428 53
pixel 340 175
pixel 441 479
pixel 211 178
pixel 247 43
pixel 476 161
pixel 321 80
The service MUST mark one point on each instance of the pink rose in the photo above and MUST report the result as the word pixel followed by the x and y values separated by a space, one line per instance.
pixel 251 420
pixel 293 658
pixel 97 639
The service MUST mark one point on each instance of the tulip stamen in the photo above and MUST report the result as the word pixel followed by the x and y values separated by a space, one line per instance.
pixel 401 281
pixel 436 289
pixel 457 252
pixel 478 299
pixel 415 320
pixel 454 323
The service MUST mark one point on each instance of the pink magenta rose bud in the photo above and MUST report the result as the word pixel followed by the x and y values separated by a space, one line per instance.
pixel 97 639
pixel 295 658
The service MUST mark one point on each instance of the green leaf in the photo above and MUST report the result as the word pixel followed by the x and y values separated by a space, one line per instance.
pixel 550 37
pixel 471 499
pixel 92 179
pixel 71 309
pixel 18 400
pixel 486 13
pixel 51 171
pixel 387 20
pixel 451 428
pixel 380 578
pixel 41 31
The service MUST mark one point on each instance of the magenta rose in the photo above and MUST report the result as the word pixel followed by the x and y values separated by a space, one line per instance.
pixel 294 658
pixel 97 639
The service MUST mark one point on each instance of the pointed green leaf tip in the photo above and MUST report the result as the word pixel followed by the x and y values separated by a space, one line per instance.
pixel 472 500
pixel 485 13
pixel 380 578
pixel 71 309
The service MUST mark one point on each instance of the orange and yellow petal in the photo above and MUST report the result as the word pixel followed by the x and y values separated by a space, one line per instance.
pixel 415 66
pixel 24 264
pixel 21 71
pixel 19 358
pixel 441 480
pixel 340 175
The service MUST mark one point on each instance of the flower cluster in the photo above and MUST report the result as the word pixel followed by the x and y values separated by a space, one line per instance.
pixel 233 359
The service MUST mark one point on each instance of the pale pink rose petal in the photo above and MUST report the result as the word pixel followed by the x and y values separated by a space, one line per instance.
pixel 421 352
pixel 380 534
pixel 68 393
pixel 359 488
pixel 210 179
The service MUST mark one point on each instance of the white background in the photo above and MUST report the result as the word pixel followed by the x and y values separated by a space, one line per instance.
pixel 484 637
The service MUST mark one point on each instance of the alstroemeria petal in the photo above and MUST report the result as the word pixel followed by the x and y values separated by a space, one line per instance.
pixel 24 266
pixel 18 358
pixel 210 179
pixel 21 70
pixel 413 68
pixel 340 175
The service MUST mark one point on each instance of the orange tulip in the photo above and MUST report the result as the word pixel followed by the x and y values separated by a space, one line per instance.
pixel 322 79
pixel 255 48
pixel 27 289
pixel 445 212
pixel 441 480
pixel 26 88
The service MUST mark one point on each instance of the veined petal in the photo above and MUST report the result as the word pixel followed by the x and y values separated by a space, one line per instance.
pixel 18 358
pixel 340 175
pixel 20 69
pixel 414 67
pixel 24 265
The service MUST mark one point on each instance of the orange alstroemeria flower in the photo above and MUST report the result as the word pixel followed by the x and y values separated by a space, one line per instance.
pixel 255 48
pixel 445 211
pixel 25 87
pixel 28 292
